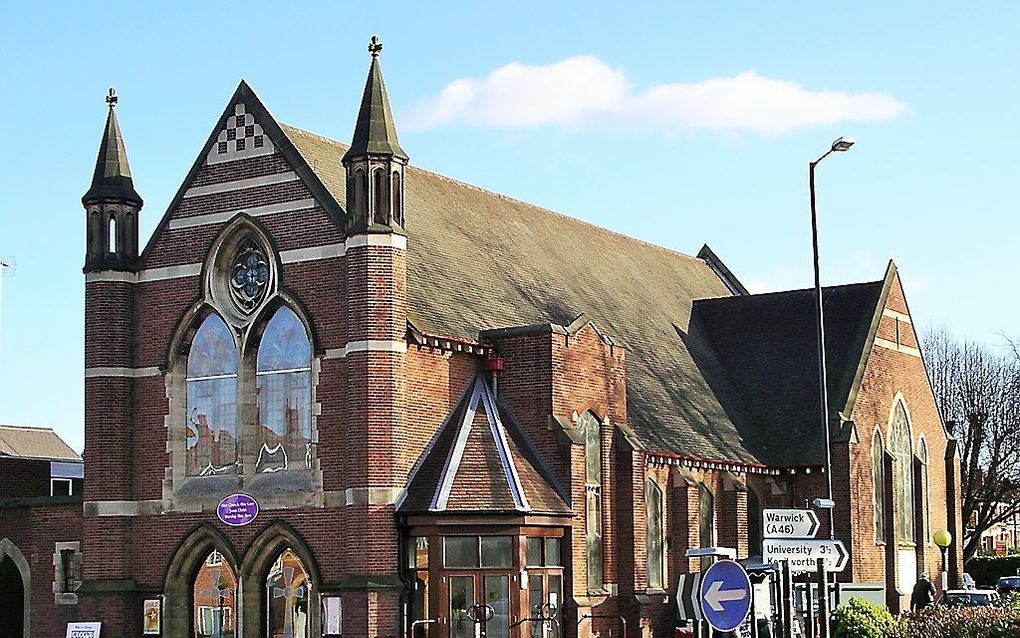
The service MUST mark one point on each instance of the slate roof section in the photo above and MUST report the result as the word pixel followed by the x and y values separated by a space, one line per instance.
pixel 478 260
pixel 27 442
pixel 768 346
pixel 480 460
pixel 111 180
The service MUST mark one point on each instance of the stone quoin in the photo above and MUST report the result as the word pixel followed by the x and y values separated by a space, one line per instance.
pixel 449 406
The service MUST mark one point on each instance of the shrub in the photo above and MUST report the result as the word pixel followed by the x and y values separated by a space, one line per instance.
pixel 962 622
pixel 858 618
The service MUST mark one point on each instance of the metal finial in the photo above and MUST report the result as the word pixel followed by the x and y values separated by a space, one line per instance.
pixel 374 46
pixel 111 98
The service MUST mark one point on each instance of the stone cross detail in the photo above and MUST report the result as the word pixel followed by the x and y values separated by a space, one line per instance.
pixel 374 46
pixel 111 98
pixel 290 595
pixel 220 593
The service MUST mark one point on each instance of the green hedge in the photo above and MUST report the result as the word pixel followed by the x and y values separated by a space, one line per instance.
pixel 859 618
pixel 961 622
pixel 986 570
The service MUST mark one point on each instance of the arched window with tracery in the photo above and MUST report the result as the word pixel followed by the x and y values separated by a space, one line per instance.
pixel 288 590
pixel 901 449
pixel 878 484
pixel 922 457
pixel 706 520
pixel 591 431
pixel 214 598
pixel 211 379
pixel 284 381
pixel 655 533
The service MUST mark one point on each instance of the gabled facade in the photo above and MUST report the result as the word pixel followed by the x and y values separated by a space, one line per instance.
pixel 451 407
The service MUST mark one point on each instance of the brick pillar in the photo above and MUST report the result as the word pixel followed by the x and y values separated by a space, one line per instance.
pixel 733 517
pixel 374 417
pixel 682 518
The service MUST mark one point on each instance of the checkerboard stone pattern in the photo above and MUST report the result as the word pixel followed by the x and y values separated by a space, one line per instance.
pixel 240 137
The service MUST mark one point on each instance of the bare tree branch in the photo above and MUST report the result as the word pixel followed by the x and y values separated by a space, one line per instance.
pixel 978 392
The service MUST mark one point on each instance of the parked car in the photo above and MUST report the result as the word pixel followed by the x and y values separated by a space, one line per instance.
pixel 1008 585
pixel 970 598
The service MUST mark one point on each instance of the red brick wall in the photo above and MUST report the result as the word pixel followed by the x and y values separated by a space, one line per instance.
pixel 35 531
pixel 23 478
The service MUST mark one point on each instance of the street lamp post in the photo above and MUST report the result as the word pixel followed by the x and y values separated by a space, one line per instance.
pixel 943 539
pixel 840 145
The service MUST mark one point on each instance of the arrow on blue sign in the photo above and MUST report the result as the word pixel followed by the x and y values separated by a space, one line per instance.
pixel 725 595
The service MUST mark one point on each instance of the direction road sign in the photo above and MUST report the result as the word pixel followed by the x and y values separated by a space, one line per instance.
pixel 688 596
pixel 790 523
pixel 725 595
pixel 804 554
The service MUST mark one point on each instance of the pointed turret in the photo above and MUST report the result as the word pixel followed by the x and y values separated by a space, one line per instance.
pixel 375 162
pixel 111 181
pixel 111 203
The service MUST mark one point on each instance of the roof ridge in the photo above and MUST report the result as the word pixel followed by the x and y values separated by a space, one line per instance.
pixel 509 198
pixel 14 426
pixel 773 293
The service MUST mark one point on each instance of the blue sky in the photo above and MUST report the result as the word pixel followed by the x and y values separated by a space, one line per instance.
pixel 676 122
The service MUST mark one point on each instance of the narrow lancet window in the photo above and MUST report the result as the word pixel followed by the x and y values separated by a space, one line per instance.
pixel 211 435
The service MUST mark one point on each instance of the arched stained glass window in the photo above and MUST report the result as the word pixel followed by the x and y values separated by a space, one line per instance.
pixel 706 520
pixel 878 484
pixel 288 591
pixel 214 598
pixel 211 379
pixel 590 429
pixel 284 380
pixel 655 534
pixel 922 456
pixel 901 449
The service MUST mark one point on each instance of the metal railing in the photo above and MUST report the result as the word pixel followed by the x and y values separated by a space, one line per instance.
pixel 623 621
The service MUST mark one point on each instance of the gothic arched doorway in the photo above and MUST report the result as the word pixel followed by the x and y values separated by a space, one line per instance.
pixel 12 600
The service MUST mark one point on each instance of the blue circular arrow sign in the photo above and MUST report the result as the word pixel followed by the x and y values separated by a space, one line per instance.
pixel 725 595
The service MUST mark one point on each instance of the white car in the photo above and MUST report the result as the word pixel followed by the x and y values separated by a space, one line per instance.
pixel 970 598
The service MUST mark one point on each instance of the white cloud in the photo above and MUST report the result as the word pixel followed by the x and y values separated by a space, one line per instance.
pixel 583 90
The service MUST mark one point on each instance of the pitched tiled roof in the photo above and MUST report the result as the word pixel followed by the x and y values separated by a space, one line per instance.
pixel 767 344
pixel 478 260
pixel 480 460
pixel 35 443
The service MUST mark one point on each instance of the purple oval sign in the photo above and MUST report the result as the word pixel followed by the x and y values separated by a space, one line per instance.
pixel 237 510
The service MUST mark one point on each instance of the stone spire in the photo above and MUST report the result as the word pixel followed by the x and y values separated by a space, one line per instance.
pixel 111 204
pixel 375 162
pixel 375 133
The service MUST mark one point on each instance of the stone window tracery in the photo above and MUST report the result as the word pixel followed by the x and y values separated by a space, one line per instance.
pixel 284 378
pixel 655 533
pixel 288 592
pixel 214 596
pixel 249 278
pixel 591 431
pixel 878 485
pixel 901 449
pixel 211 430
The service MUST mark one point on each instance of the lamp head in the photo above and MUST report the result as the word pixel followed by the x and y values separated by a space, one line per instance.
pixel 942 538
pixel 843 144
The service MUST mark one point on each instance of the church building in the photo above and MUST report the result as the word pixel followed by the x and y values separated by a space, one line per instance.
pixel 338 394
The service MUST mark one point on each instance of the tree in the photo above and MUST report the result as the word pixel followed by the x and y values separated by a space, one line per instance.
pixel 978 395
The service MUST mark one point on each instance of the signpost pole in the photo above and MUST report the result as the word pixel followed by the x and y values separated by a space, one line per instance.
pixel 787 600
pixel 809 607
pixel 823 600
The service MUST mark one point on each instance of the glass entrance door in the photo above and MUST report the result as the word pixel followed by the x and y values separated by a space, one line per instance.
pixel 479 605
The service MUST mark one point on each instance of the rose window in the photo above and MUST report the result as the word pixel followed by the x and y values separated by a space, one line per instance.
pixel 249 281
